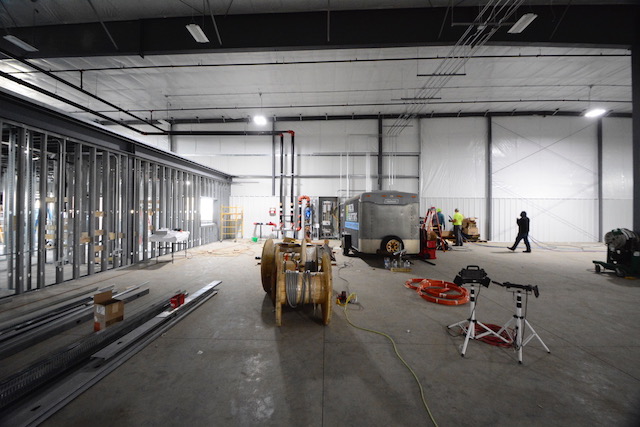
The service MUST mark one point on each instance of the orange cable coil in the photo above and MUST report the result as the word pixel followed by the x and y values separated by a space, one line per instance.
pixel 439 291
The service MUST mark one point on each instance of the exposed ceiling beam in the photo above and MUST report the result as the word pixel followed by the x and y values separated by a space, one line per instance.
pixel 104 27
pixel 302 118
pixel 606 26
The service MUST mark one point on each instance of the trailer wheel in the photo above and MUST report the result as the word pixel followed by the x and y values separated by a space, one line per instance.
pixel 620 272
pixel 392 244
pixel 598 269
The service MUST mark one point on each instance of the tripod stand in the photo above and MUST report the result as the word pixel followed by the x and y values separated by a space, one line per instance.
pixel 519 320
pixel 472 275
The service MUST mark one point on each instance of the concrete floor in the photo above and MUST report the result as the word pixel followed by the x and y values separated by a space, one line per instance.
pixel 228 364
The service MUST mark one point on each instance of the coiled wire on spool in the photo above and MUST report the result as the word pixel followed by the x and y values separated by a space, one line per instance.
pixel 621 238
pixel 291 288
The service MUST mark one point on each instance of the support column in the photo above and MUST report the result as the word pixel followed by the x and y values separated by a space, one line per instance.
pixel 380 160
pixel 489 183
pixel 273 158
pixel 600 200
pixel 635 98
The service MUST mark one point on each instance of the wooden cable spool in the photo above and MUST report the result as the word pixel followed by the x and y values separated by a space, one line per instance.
pixel 287 259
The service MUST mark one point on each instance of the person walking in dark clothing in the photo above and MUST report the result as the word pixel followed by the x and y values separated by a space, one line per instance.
pixel 523 232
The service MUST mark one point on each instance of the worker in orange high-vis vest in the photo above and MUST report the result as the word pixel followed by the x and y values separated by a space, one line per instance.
pixel 457 226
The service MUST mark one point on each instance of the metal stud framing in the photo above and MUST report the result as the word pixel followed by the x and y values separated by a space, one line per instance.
pixel 77 208
pixel 43 169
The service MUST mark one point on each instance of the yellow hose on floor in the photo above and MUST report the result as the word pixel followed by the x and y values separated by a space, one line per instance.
pixel 395 348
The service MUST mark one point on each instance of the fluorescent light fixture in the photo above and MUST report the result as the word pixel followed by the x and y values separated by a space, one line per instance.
pixel 595 112
pixel 21 44
pixel 197 33
pixel 164 122
pixel 522 23
pixel 260 120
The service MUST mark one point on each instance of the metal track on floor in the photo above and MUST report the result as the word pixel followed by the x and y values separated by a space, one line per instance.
pixel 22 335
pixel 97 363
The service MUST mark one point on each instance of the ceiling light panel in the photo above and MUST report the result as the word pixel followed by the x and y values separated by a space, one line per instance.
pixel 20 43
pixel 197 33
pixel 522 23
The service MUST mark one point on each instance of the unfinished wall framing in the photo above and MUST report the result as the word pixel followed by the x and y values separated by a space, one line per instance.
pixel 71 208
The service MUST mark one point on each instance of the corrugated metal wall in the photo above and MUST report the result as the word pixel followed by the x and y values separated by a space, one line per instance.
pixel 546 166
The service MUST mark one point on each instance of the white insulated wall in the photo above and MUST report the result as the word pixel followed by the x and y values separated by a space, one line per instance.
pixel 453 167
pixel 544 165
pixel 332 158
pixel 617 175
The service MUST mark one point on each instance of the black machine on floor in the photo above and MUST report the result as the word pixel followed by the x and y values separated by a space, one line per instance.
pixel 623 253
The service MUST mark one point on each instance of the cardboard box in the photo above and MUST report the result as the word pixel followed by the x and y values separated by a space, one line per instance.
pixel 469 222
pixel 106 310
pixel 447 234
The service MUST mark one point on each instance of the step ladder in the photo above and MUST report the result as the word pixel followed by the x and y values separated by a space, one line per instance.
pixel 431 223
pixel 232 222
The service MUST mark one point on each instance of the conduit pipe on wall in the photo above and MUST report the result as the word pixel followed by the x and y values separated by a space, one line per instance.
pixel 293 159
pixel 281 213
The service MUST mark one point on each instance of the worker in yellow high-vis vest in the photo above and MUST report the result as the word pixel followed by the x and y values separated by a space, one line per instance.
pixel 457 227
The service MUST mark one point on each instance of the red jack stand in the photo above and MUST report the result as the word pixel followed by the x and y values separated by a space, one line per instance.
pixel 177 300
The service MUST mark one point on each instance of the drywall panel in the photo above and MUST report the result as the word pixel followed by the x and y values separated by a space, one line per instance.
pixel 617 174
pixel 546 166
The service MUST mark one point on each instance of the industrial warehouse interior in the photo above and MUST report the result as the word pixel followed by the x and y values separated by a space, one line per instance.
pixel 362 213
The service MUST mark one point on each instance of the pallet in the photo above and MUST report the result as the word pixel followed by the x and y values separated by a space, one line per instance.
pixel 401 269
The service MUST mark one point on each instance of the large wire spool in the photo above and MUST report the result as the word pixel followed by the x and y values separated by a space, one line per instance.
pixel 297 274
pixel 268 267
pixel 618 238
pixel 327 288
